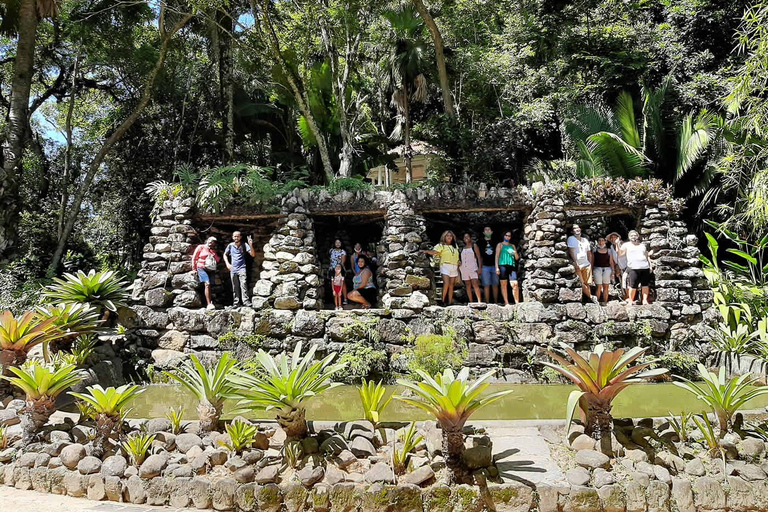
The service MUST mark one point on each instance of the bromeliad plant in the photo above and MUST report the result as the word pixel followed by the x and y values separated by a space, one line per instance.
pixel 372 398
pixel 72 320
pixel 175 416
pixel 41 385
pixel 19 335
pixel 137 445
pixel 241 436
pixel 451 399
pixel 402 454
pixel 724 396
pixel 210 386
pixel 601 376
pixel 103 290
pixel 283 384
pixel 109 409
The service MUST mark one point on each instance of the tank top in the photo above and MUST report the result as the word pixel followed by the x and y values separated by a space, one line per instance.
pixel 602 259
pixel 507 256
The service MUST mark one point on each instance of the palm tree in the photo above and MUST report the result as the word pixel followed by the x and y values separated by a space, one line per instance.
pixel 407 60
pixel 614 143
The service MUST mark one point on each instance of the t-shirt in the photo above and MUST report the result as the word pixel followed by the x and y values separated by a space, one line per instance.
pixel 336 257
pixel 338 280
pixel 237 255
pixel 487 251
pixel 448 254
pixel 582 249
pixel 621 260
pixel 637 256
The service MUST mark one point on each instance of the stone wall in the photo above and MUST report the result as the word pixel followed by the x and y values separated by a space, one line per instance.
pixel 168 324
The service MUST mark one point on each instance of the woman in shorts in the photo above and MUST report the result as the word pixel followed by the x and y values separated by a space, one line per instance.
pixel 449 263
pixel 602 270
pixel 364 291
pixel 204 263
pixel 639 268
pixel 506 267
pixel 470 264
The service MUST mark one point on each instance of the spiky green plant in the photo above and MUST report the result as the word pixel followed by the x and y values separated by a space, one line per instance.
pixel 283 384
pixel 372 398
pixel 102 290
pixel 72 319
pixel 83 347
pixel 601 376
pixel 293 452
pixel 210 386
pixel 451 399
pixel 137 445
pixel 109 408
pixel 86 410
pixel 724 396
pixel 681 425
pixel 402 454
pixel 19 335
pixel 175 416
pixel 41 385
pixel 709 438
pixel 241 435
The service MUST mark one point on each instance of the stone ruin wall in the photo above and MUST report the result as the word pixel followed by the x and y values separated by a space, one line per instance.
pixel 167 323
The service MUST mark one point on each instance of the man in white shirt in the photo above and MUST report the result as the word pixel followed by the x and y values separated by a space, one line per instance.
pixel 581 254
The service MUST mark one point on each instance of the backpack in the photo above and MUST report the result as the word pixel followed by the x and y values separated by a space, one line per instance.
pixel 210 262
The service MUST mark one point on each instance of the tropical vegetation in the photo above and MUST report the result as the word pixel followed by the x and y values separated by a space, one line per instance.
pixel 108 408
pixel 136 445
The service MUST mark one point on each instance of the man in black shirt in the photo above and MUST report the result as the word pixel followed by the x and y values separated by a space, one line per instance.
pixel 489 276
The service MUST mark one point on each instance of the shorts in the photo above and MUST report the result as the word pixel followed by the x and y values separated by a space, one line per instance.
pixel 468 274
pixel 585 274
pixel 602 275
pixel 369 294
pixel 507 273
pixel 450 270
pixel 205 276
pixel 490 278
pixel 639 277
pixel 337 290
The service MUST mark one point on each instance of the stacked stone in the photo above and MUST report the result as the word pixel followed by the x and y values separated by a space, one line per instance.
pixel 290 276
pixel 680 284
pixel 404 277
pixel 549 275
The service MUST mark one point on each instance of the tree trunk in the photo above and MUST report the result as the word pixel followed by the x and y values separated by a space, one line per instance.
pixel 407 151
pixel 437 39
pixel 107 427
pixel 294 423
pixel 18 121
pixel 9 358
pixel 224 26
pixel 67 155
pixel 453 447
pixel 208 414
pixel 599 426
pixel 34 416
pixel 93 168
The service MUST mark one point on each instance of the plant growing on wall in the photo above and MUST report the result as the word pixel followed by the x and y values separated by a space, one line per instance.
pixel 41 385
pixel 284 384
pixel 105 290
pixel 210 386
pixel 601 376
pixel 109 410
pixel 451 399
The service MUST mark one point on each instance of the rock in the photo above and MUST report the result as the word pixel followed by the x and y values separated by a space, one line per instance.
pixel 245 474
pixel 636 455
pixel 345 459
pixel 218 457
pixel 577 476
pixel 380 473
pixel 114 465
pixel 42 460
pixel 185 442
pixel 602 478
pixel 9 417
pixel 96 490
pixel 75 484
pixel 362 447
pixel 27 460
pixel 154 465
pixel 267 474
pixel 662 474
pixel 89 465
pixel 751 472
pixel 592 459
pixel 156 425
pixel 695 467
pixel 583 442
pixel 419 476
pixel 751 448
pixel 199 492
pixel 252 456
pixel 708 494
pixel 7 454
pixel 173 340
pixel 309 476
pixel 223 493
pixel 333 475
pixel 308 324
pixel 234 463
pixel 71 455
pixel 54 448
pixel 477 457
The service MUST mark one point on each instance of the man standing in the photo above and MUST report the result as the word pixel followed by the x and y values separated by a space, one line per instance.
pixel 619 259
pixel 489 277
pixel 579 250
pixel 234 257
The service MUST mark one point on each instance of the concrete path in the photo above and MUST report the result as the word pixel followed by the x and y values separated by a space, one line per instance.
pixel 522 454
pixel 32 501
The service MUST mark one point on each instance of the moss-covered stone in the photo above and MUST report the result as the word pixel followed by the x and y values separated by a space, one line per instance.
pixel 245 497
pixel 269 498
pixel 320 498
pixel 344 497
pixel 466 499
pixel 512 497
pixel 437 499
pixel 582 499
pixel 295 496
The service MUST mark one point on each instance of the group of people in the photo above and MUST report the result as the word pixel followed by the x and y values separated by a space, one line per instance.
pixel 612 258
pixel 493 263
pixel 362 265
pixel 205 261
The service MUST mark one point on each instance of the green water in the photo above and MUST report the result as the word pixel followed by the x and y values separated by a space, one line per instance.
pixel 527 401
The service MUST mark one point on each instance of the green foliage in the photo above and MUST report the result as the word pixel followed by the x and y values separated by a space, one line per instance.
pixel 361 361
pixel 211 385
pixel 83 348
pixel 293 453
pixel 353 184
pixel 402 454
pixel 241 435
pixel 231 340
pixel 26 331
pixel 137 445
pixel 372 398
pixel 102 290
pixel 681 425
pixel 110 401
pixel 677 363
pixel 710 439
pixel 723 396
pixel 433 353
pixel 72 318
pixel 37 380
pixel 86 410
pixel 175 416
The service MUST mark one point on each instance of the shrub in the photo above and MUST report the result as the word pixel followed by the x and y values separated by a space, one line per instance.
pixel 175 416
pixel 401 456
pixel 109 409
pixel 432 353
pixel 20 334
pixel 241 436
pixel 137 445
pixel 353 184
pixel 102 290
pixel 360 361
pixel 231 340
pixel 678 363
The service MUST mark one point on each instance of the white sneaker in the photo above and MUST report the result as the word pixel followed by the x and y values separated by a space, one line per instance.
pixel 210 306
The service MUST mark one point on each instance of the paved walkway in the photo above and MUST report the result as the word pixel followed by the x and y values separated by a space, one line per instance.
pixel 32 501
